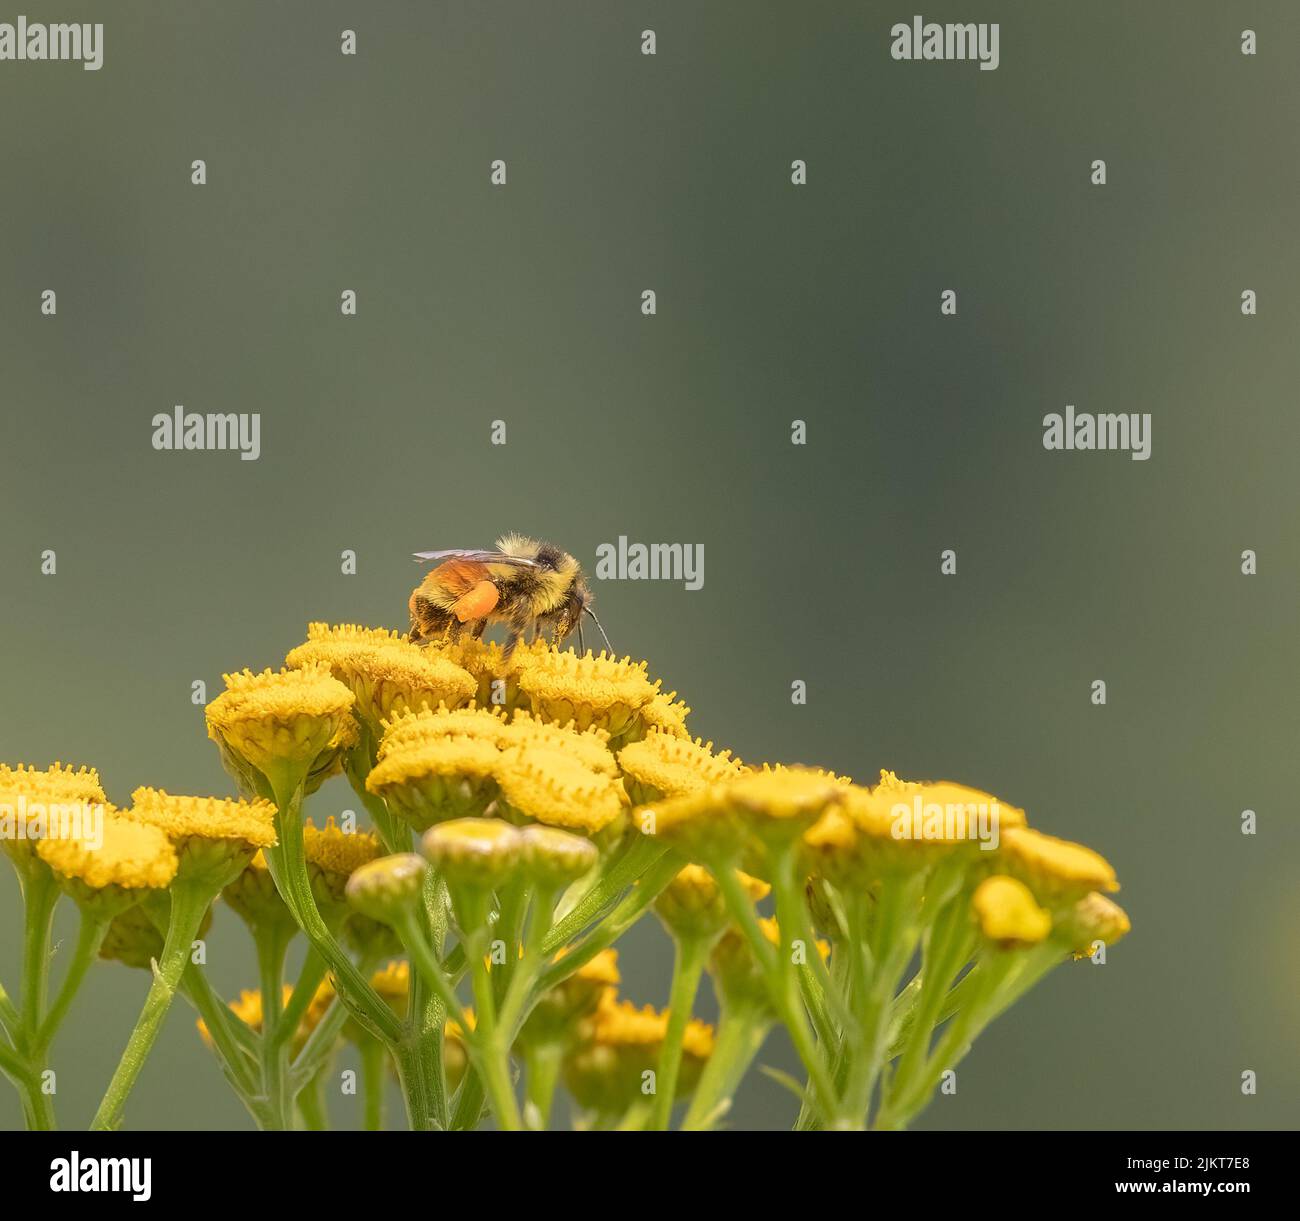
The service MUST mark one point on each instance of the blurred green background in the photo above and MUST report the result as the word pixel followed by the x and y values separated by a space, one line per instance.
pixel 775 302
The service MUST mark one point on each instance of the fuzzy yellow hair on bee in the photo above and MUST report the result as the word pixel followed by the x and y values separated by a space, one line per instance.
pixel 524 584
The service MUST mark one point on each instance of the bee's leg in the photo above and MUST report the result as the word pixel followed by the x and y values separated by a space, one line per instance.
pixel 511 641
pixel 479 628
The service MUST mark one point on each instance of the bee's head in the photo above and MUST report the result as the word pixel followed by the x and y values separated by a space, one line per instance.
pixel 575 606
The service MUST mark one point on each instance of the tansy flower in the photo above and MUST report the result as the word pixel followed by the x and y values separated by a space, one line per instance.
pixel 475 852
pixel 617 1044
pixel 1058 871
pixel 332 856
pixel 1093 919
pixel 283 725
pixel 1007 913
pixel 547 786
pixel 663 765
pixel 437 780
pixel 758 810
pixel 27 792
pixel 111 873
pixel 384 889
pixel 133 938
pixel 58 782
pixel 214 838
pixel 254 898
pixel 664 713
pixel 555 1016
pixel 590 747
pixel 496 678
pixel 900 826
pixel 389 678
pixel 554 858
pixel 691 905
pixel 429 724
pixel 587 690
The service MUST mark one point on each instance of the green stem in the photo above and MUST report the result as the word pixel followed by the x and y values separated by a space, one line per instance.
pixel 617 874
pixel 40 895
pixel 90 937
pixel 492 1061
pixel 272 944
pixel 779 974
pixel 236 1046
pixel 742 1030
pixel 542 1064
pixel 189 902
pixel 374 1056
pixel 688 966
pixel 632 907
pixel 311 1104
pixel 288 863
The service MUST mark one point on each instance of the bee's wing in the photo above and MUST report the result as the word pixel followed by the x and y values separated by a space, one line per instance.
pixel 477 557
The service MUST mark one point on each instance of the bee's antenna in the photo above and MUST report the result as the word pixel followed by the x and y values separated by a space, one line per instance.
pixel 600 629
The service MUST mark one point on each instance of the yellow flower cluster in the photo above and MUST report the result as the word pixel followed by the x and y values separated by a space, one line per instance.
pixel 618 1045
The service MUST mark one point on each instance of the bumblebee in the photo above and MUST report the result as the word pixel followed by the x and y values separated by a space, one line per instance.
pixel 524 584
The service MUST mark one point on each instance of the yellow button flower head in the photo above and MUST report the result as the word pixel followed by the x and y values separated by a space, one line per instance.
pixel 901 826
pixel 554 1018
pixel 561 686
pixel 1094 919
pixel 385 888
pixel 479 852
pixel 589 747
pixel 554 858
pixel 1007 913
pixel 27 793
pixel 618 1044
pixel 254 898
pixel 746 817
pixel 333 855
pixel 1059 872
pixel 388 677
pixel 663 765
pixel 109 868
pixel 664 713
pixel 547 786
pixel 284 726
pixel 432 725
pixel 691 905
pixel 134 939
pixel 214 838
pixel 437 780
pixel 496 678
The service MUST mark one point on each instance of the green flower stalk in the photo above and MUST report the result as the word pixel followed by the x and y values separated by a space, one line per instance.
pixel 213 840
